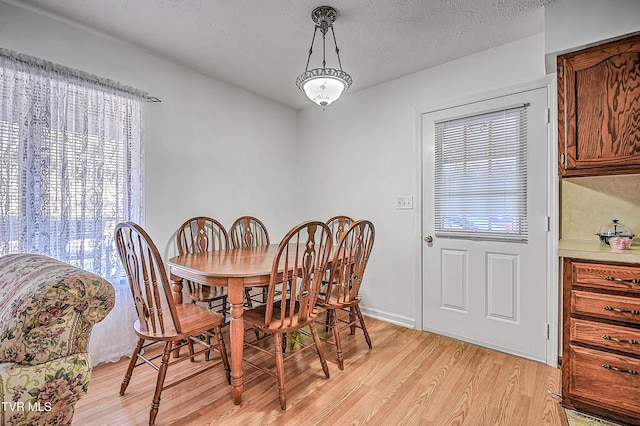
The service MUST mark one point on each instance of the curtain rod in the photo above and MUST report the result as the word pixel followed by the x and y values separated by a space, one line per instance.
pixel 71 72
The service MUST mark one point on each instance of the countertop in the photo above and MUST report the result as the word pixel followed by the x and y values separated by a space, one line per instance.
pixel 595 250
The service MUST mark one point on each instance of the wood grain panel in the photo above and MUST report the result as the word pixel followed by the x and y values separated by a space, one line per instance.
pixel 599 109
pixel 619 277
pixel 606 336
pixel 608 105
pixel 612 374
pixel 605 306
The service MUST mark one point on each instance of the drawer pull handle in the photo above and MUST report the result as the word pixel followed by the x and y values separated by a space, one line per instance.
pixel 615 339
pixel 623 311
pixel 633 281
pixel 620 370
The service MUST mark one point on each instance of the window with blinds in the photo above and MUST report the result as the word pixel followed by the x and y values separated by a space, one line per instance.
pixel 71 166
pixel 481 176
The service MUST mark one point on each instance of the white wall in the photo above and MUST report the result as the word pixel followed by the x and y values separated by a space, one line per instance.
pixel 363 151
pixel 211 149
pixel 571 25
pixel 215 149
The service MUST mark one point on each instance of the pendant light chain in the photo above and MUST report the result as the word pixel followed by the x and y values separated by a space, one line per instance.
pixel 336 44
pixel 324 51
pixel 313 39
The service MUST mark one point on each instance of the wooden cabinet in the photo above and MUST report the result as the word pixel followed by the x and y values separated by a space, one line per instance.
pixel 599 110
pixel 601 339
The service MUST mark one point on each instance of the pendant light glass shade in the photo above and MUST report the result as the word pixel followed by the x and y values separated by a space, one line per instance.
pixel 323 85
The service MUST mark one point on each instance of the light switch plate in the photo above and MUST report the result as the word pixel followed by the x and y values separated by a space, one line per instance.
pixel 404 202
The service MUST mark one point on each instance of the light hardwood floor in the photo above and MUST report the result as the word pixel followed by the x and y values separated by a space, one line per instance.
pixel 410 377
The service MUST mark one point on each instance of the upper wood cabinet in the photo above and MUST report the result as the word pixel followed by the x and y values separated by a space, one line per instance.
pixel 599 109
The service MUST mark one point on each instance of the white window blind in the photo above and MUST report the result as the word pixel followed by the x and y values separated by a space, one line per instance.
pixel 481 175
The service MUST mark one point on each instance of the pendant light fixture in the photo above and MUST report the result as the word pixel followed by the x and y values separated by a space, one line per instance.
pixel 323 85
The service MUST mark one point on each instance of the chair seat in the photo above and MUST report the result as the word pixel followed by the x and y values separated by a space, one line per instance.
pixel 339 298
pixel 194 319
pixel 255 318
pixel 336 305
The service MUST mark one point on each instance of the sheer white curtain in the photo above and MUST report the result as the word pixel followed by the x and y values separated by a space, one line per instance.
pixel 71 168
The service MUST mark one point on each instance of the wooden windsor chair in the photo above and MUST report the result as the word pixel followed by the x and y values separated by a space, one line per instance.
pixel 198 235
pixel 338 225
pixel 342 294
pixel 300 261
pixel 173 326
pixel 249 231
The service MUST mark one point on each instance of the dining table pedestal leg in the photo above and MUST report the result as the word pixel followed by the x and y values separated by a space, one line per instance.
pixel 176 288
pixel 236 333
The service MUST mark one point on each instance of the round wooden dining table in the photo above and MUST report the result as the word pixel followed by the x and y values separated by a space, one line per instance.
pixel 234 269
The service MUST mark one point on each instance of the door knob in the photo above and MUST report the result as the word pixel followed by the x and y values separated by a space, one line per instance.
pixel 428 239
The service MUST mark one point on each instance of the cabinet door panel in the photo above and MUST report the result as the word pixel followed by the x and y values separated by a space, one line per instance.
pixel 607 100
pixel 606 379
pixel 599 109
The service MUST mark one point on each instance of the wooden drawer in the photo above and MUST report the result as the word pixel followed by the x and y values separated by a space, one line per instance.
pixel 605 379
pixel 607 277
pixel 606 306
pixel 606 336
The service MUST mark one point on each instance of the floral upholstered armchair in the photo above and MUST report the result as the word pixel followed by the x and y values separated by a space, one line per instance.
pixel 47 311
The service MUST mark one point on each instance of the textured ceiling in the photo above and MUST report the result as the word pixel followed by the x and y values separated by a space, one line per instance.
pixel 262 45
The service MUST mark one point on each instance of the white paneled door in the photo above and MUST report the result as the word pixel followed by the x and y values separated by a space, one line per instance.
pixel 478 285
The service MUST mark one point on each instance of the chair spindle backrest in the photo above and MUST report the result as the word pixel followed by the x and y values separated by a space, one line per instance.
pixel 349 261
pixel 201 234
pixel 338 225
pixel 299 264
pixel 147 278
pixel 249 231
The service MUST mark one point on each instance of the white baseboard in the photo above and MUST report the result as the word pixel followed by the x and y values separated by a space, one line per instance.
pixel 390 317
pixel 408 322
pixel 485 345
